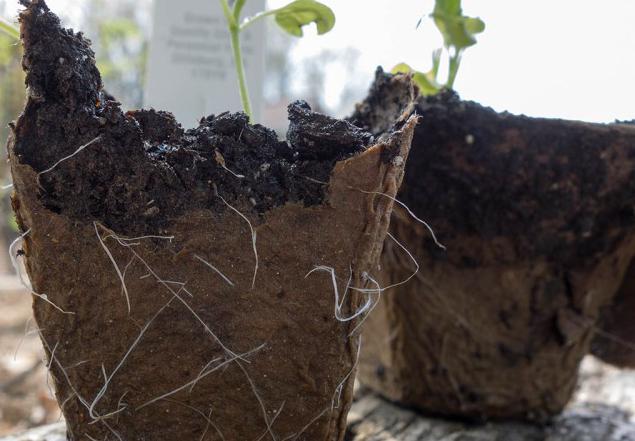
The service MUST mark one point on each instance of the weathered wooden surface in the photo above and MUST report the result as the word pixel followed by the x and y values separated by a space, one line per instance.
pixel 52 432
pixel 373 419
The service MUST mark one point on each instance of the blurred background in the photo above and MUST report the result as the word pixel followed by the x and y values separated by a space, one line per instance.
pixel 565 59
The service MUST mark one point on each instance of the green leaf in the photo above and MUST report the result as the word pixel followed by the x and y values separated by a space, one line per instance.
pixel 401 68
pixel 458 30
pixel 474 25
pixel 451 8
pixel 300 13
pixel 13 223
pixel 427 86
pixel 426 82
pixel 7 51
pixel 238 7
pixel 8 29
pixel 436 62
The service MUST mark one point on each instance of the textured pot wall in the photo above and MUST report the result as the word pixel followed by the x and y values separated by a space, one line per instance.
pixel 537 219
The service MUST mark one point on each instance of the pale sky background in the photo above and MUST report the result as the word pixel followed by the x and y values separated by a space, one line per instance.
pixel 557 58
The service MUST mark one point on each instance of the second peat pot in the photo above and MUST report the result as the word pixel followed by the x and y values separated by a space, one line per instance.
pixel 537 220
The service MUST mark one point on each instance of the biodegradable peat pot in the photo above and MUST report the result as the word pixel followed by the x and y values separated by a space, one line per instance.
pixel 537 217
pixel 178 262
pixel 614 341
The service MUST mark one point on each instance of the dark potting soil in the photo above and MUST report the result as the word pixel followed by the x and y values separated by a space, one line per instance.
pixel 139 169
pixel 562 189
pixel 389 95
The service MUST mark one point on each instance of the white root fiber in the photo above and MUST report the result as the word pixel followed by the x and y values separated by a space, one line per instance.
pixel 13 255
pixel 253 238
pixel 66 158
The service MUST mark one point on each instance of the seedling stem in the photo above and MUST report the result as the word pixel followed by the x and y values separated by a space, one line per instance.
pixel 290 18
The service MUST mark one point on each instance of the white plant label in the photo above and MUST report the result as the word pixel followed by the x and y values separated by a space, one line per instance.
pixel 191 69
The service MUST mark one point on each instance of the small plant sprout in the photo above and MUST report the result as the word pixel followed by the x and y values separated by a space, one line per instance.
pixel 458 33
pixel 8 29
pixel 425 81
pixel 291 18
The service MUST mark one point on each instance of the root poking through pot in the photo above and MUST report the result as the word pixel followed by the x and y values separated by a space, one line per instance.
pixel 183 255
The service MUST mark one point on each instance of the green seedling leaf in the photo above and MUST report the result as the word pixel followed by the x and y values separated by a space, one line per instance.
pixel 426 85
pixel 9 29
pixel 474 25
pixel 436 62
pixel 238 8
pixel 426 82
pixel 458 33
pixel 402 68
pixel 293 17
pixel 13 223
pixel 451 8
pixel 458 30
